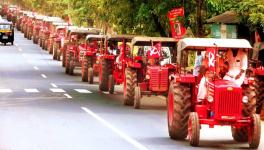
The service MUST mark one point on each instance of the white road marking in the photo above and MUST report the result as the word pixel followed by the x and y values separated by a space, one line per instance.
pixel 67 95
pixel 31 90
pixel 5 91
pixel 82 91
pixel 19 49
pixel 56 90
pixel 36 68
pixel 44 76
pixel 53 85
pixel 115 130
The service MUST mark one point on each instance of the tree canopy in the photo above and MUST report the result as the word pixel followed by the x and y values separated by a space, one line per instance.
pixel 147 17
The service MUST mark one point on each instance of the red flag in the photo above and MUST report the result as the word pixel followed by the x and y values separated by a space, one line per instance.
pixel 176 17
pixel 211 54
pixel 154 51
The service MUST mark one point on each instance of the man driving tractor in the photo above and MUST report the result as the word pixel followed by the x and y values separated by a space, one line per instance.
pixel 237 66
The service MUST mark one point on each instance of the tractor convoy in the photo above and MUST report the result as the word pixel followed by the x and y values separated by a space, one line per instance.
pixel 158 66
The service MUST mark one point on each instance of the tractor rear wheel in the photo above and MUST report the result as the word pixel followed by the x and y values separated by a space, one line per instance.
pixel 178 110
pixel 259 84
pixel 129 86
pixel 67 63
pixel 106 70
pixel 111 84
pixel 254 137
pixel 194 129
pixel 64 58
pixel 249 109
pixel 137 98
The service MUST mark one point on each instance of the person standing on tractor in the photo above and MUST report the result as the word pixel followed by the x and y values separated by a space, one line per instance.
pixel 237 61
pixel 203 70
pixel 197 63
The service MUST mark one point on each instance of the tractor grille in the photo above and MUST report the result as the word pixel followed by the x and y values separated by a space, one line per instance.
pixel 158 79
pixel 228 103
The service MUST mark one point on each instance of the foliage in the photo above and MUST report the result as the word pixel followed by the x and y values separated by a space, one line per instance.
pixel 148 17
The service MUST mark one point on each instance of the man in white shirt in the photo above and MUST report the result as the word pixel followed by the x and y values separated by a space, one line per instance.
pixel 238 64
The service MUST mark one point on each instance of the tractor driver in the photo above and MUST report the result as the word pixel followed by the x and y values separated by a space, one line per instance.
pixel 238 64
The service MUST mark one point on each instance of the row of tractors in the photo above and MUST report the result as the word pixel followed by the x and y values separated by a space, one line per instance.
pixel 147 66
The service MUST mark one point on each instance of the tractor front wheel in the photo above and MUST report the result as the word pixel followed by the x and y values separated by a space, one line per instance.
pixel 129 86
pixel 55 51
pixel 90 75
pixel 137 98
pixel 194 129
pixel 178 110
pixel 72 65
pixel 105 71
pixel 255 131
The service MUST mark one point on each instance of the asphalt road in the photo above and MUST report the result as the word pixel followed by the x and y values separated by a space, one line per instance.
pixel 42 108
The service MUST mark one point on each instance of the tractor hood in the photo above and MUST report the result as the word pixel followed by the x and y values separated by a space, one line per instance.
pixel 226 84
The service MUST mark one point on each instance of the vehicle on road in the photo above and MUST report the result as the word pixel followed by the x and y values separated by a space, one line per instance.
pixel 226 103
pixel 6 32
pixel 76 48
pixel 112 61
pixel 146 74
pixel 91 58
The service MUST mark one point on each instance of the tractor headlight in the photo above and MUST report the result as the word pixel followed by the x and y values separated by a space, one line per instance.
pixel 210 99
pixel 245 99
pixel 147 77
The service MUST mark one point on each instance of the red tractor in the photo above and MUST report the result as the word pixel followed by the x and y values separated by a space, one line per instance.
pixel 226 103
pixel 36 28
pixel 113 61
pixel 258 71
pixel 90 63
pixel 46 30
pixel 29 27
pixel 76 48
pixel 59 34
pixel 24 21
pixel 4 10
pixel 65 41
pixel 148 72
pixel 53 32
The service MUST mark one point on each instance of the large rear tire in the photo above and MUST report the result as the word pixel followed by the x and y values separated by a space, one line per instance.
pixel 105 71
pixel 179 108
pixel 64 57
pixel 255 131
pixel 249 109
pixel 67 63
pixel 259 84
pixel 129 86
